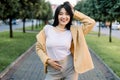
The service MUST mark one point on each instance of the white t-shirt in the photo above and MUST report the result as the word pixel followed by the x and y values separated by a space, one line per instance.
pixel 57 43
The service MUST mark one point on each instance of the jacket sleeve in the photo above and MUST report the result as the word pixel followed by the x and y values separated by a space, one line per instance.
pixel 40 47
pixel 88 23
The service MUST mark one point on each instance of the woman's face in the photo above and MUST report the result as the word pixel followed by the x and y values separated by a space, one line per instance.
pixel 63 17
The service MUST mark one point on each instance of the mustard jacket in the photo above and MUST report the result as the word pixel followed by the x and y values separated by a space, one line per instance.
pixel 82 58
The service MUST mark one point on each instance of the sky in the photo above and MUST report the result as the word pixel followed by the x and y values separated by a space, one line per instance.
pixel 57 2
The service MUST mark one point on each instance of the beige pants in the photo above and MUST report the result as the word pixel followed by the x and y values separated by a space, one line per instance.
pixel 66 73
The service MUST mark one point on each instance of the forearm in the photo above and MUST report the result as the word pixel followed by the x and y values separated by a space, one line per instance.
pixel 88 23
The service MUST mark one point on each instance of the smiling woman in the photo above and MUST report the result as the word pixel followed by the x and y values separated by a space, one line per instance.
pixel 62 47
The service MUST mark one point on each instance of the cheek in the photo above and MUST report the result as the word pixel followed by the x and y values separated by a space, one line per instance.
pixel 60 16
pixel 68 18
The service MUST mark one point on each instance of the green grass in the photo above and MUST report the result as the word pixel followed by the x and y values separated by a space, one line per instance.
pixel 10 49
pixel 109 52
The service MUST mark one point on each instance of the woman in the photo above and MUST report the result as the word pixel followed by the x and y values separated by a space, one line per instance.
pixel 62 47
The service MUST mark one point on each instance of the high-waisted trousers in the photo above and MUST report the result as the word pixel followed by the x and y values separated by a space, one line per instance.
pixel 66 73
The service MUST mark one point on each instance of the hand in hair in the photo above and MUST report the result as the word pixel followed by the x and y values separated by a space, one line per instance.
pixel 68 3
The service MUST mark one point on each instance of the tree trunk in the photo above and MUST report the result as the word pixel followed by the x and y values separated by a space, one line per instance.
pixel 46 22
pixel 11 31
pixel 99 30
pixel 39 23
pixel 24 25
pixel 32 25
pixel 110 32
pixel 36 24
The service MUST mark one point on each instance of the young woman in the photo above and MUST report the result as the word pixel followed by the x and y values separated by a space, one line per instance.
pixel 62 47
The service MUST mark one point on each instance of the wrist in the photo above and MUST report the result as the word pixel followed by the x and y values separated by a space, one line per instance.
pixel 47 62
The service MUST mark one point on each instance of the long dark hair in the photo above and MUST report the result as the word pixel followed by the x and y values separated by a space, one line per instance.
pixel 66 6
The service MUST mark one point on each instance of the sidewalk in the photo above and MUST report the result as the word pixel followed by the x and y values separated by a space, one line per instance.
pixel 29 67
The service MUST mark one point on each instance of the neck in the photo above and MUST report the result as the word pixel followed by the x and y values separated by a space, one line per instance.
pixel 62 28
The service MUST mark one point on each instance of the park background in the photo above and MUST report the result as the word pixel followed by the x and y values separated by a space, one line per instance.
pixel 34 14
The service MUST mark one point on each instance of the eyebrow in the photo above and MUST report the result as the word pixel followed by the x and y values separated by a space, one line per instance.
pixel 63 12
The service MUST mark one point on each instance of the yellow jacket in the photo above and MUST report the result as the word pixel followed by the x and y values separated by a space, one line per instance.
pixel 79 49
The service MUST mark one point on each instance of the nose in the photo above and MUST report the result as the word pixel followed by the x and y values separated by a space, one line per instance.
pixel 64 16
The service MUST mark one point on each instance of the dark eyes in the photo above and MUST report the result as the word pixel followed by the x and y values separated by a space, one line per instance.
pixel 63 13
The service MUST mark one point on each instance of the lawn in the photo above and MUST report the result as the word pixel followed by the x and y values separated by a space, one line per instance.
pixel 109 52
pixel 12 48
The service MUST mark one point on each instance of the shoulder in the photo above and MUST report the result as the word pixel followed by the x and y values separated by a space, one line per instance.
pixel 47 29
pixel 44 30
pixel 47 26
pixel 40 35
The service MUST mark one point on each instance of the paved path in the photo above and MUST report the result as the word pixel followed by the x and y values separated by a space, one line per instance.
pixel 31 68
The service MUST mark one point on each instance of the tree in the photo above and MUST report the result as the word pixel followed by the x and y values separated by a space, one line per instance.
pixel 106 7
pixel 33 4
pixel 80 6
pixel 98 17
pixel 24 11
pixel 28 9
pixel 2 8
pixel 45 9
pixel 101 10
pixel 9 11
pixel 116 10
pixel 90 8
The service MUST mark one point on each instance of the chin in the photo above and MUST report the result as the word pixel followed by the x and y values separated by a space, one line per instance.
pixel 64 24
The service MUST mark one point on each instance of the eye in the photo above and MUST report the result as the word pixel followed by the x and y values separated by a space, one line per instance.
pixel 67 13
pixel 60 13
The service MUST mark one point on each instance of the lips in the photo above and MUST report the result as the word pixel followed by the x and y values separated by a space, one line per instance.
pixel 64 20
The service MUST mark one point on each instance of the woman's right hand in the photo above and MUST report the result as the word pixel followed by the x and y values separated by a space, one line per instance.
pixel 54 64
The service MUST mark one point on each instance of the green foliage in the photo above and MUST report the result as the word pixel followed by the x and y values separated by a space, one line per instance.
pixel 50 16
pixel 29 8
pixel 2 7
pixel 79 6
pixel 45 12
pixel 89 7
pixel 25 9
pixel 105 10
pixel 116 10
pixel 8 9
pixel 105 7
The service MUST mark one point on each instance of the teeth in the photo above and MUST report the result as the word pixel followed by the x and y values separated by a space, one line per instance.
pixel 63 20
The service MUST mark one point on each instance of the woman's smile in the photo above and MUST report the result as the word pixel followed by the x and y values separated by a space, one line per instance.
pixel 63 17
